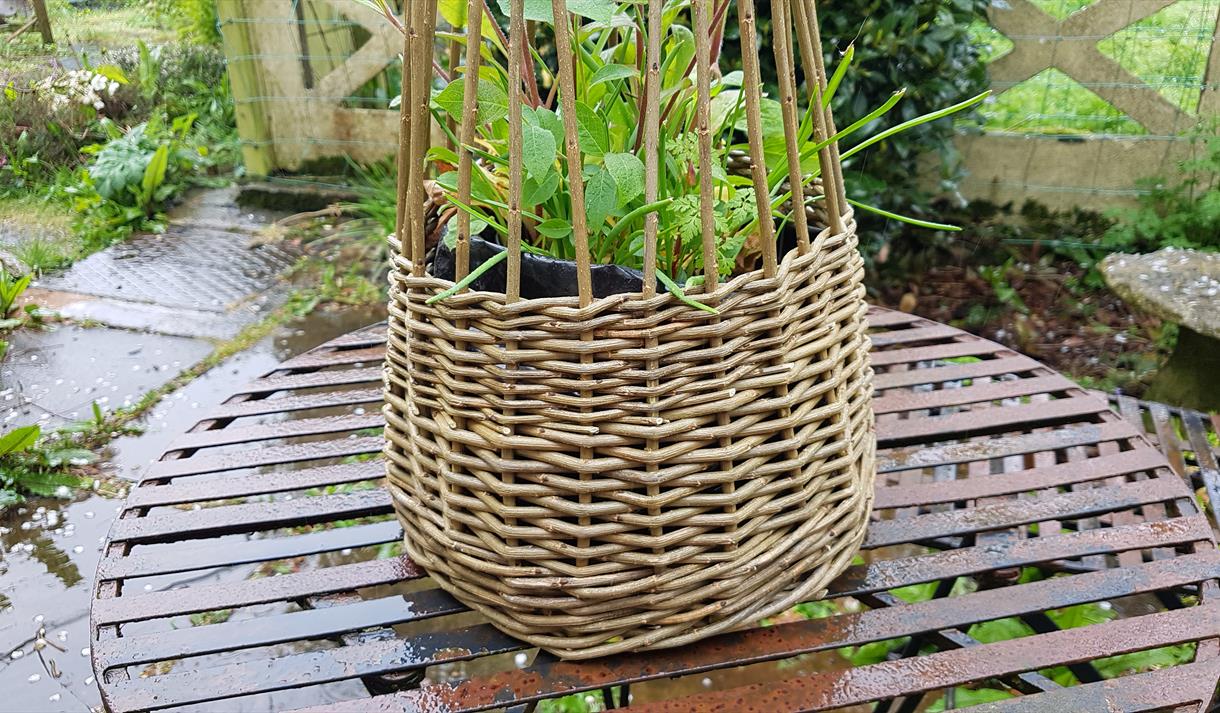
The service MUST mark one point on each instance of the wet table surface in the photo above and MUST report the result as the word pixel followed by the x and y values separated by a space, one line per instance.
pixel 258 565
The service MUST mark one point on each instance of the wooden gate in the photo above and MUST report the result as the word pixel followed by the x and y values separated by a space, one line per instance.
pixel 1083 170
pixel 297 67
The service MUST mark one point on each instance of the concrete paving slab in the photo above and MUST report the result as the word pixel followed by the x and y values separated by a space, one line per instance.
pixel 53 377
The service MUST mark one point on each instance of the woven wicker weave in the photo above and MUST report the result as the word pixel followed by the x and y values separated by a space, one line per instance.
pixel 627 473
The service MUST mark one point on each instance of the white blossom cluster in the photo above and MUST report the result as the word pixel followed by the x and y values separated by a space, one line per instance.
pixel 79 86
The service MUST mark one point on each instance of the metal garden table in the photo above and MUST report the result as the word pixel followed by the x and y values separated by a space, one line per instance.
pixel 259 559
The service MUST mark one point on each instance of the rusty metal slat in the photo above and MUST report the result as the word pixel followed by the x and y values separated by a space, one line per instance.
pixel 339 664
pixel 326 399
pixel 228 595
pixel 369 336
pixel 956 372
pixel 974 393
pixel 955 453
pixel 982 422
pixel 273 455
pixel 917 334
pixel 1209 470
pixel 337 357
pixel 311 380
pixel 878 318
pixel 1039 508
pixel 901 677
pixel 779 641
pixel 198 490
pixel 966 347
pixel 1033 479
pixel 228 554
pixel 250 517
pixel 891 574
pixel 304 625
pixel 278 429
pixel 1193 683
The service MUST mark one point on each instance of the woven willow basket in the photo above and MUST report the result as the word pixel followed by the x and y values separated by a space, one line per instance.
pixel 599 475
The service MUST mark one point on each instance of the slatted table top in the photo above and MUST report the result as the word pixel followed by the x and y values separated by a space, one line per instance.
pixel 258 565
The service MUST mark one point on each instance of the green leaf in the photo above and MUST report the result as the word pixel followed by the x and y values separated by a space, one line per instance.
pixel 537 150
pixel 454 12
pixel 492 100
pixel 628 173
pixel 540 10
pixel 556 228
pixel 467 280
pixel 19 439
pixel 535 192
pixel 550 121
pixel 594 135
pixel 612 72
pixel 111 72
pixel 154 172
pixel 601 198
pixel 677 292
pixel 905 219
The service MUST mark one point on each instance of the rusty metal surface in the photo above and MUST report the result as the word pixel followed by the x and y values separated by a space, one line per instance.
pixel 260 556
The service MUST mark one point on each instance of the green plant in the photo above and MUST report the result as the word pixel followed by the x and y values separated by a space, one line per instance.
pixel 609 109
pixel 27 465
pixel 131 176
pixel 1182 211
pixel 194 20
pixel 11 288
pixel 926 46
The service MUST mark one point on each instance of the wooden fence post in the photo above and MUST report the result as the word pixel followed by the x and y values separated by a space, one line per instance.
pixel 258 151
pixel 43 21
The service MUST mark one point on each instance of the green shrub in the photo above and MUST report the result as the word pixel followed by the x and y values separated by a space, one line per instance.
pixel 923 45
pixel 1182 211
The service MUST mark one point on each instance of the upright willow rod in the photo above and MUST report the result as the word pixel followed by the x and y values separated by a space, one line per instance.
pixel 703 100
pixel 815 37
pixel 425 21
pixel 576 183
pixel 815 79
pixel 652 132
pixel 749 60
pixel 516 42
pixel 470 89
pixel 404 136
pixel 782 24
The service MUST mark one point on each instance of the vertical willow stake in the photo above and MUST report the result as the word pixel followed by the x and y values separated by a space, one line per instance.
pixel 815 37
pixel 652 179
pixel 404 132
pixel 652 131
pixel 703 100
pixel 815 80
pixel 571 140
pixel 749 61
pixel 516 41
pixel 470 89
pixel 421 125
pixel 781 23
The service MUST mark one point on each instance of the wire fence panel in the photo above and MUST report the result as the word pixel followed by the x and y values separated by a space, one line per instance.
pixel 1091 97
pixel 312 82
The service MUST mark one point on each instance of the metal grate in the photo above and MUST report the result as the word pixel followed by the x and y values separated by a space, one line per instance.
pixel 266 525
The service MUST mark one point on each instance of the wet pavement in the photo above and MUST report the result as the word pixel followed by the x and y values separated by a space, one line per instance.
pixel 51 547
pixel 209 275
pixel 52 377
pixel 144 312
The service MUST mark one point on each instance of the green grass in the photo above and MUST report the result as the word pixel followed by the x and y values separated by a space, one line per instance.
pixel 1167 50
pixel 50 241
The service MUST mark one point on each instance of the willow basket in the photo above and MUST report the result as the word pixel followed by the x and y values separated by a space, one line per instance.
pixel 634 474
pixel 600 474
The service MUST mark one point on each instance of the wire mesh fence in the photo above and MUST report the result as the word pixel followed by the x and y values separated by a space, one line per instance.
pixel 1091 96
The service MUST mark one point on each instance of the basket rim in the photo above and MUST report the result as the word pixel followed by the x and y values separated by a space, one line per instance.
pixel 401 267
